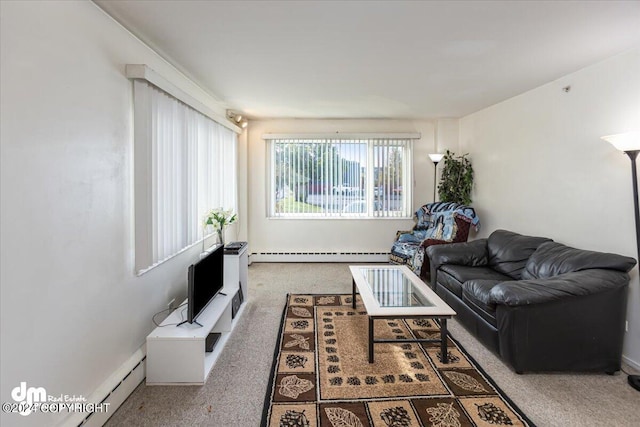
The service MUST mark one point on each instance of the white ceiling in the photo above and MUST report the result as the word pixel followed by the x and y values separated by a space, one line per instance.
pixel 386 59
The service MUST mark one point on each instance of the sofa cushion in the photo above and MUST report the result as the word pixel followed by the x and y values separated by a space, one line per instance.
pixel 509 252
pixel 446 280
pixel 552 259
pixel 453 276
pixel 477 295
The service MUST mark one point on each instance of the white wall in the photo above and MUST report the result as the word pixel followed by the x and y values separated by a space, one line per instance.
pixel 352 235
pixel 241 230
pixel 72 309
pixel 542 169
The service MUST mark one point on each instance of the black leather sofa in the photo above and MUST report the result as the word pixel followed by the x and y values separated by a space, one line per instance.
pixel 540 305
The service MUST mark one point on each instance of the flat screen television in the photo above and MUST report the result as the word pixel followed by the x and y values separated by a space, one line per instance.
pixel 205 280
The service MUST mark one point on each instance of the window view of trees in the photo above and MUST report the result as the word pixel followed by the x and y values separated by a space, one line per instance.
pixel 339 177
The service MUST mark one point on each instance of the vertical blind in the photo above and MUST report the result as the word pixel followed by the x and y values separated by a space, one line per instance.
pixel 185 164
pixel 340 177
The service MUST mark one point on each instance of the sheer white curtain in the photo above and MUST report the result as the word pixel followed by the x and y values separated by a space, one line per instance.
pixel 185 164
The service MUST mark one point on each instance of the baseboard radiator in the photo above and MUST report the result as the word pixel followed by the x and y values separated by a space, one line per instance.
pixel 320 257
pixel 113 391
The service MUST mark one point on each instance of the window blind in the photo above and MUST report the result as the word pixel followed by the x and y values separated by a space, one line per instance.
pixel 332 177
pixel 185 164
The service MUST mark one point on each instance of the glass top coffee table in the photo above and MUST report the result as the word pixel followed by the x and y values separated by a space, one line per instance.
pixel 394 292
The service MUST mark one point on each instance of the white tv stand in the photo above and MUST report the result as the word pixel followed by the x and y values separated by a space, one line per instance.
pixel 176 354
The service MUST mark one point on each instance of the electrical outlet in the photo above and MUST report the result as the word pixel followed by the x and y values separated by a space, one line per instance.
pixel 170 304
pixel 626 326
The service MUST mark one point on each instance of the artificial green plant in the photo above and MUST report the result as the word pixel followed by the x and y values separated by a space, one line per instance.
pixel 456 180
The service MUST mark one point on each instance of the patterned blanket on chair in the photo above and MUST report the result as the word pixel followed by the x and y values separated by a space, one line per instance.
pixel 436 221
pixel 430 213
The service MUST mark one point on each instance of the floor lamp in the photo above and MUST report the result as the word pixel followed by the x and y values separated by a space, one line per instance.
pixel 435 158
pixel 630 143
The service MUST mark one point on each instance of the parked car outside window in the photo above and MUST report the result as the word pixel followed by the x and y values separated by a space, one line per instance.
pixel 346 190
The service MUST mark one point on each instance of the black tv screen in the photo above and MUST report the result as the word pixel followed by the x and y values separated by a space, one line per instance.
pixel 205 281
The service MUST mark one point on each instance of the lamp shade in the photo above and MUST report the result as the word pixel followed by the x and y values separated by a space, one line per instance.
pixel 435 158
pixel 629 141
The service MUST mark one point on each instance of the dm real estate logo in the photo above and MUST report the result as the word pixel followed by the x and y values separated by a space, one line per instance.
pixel 28 398
pixel 35 399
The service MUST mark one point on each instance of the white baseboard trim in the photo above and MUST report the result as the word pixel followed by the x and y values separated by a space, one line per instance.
pixel 320 257
pixel 632 363
pixel 113 391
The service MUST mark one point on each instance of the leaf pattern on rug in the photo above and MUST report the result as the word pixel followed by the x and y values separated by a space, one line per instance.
pixel 396 417
pixel 493 415
pixel 296 361
pixel 298 340
pixel 444 415
pixel 340 417
pixel 300 324
pixel 451 358
pixel 292 386
pixel 465 381
pixel 422 322
pixel 326 300
pixel 427 335
pixel 293 418
pixel 299 311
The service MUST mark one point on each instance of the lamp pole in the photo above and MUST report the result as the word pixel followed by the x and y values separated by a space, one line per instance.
pixel 435 158
pixel 629 143
pixel 634 380
pixel 633 154
pixel 435 177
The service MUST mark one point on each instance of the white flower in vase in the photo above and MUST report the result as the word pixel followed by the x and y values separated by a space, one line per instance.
pixel 219 218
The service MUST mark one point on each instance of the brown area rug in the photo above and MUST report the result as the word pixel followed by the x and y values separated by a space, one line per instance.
pixel 321 375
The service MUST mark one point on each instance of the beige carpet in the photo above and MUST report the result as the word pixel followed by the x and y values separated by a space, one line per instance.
pixel 234 393
pixel 323 378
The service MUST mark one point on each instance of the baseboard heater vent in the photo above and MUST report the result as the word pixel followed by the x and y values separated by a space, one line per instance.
pixel 320 257
pixel 114 391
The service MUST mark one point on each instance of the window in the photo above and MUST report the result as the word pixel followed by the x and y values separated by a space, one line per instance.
pixel 185 164
pixel 350 177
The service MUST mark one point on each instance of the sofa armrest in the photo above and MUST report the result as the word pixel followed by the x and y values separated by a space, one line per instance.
pixel 540 291
pixel 570 322
pixel 472 254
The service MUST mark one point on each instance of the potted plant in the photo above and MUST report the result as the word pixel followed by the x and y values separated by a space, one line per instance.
pixel 456 180
pixel 219 219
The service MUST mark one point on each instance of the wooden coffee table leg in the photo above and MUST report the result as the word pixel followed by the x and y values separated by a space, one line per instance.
pixel 443 341
pixel 370 339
